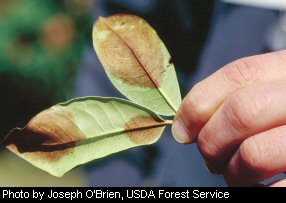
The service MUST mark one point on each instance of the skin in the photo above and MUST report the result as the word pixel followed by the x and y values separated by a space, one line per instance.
pixel 237 117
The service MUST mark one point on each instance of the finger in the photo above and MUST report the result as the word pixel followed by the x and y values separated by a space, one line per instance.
pixel 205 97
pixel 258 158
pixel 247 112
pixel 279 183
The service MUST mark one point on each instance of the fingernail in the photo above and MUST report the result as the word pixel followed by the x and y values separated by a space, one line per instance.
pixel 180 133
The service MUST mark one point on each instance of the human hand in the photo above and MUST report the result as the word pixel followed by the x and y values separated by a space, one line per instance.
pixel 237 116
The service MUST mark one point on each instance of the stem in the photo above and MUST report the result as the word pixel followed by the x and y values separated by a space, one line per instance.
pixel 169 122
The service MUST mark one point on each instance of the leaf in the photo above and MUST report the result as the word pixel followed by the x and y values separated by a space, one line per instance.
pixel 137 62
pixel 83 129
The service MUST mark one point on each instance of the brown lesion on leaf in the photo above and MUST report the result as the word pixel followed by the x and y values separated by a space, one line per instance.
pixel 51 156
pixel 49 135
pixel 131 50
pixel 144 129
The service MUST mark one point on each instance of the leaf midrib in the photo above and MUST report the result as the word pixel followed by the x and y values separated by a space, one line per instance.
pixel 123 131
pixel 111 134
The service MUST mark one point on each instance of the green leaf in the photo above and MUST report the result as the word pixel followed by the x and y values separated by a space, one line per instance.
pixel 83 129
pixel 137 62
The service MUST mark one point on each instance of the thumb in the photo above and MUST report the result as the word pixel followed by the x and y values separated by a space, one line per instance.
pixel 190 118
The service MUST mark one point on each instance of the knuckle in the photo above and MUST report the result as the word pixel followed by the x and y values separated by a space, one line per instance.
pixel 195 100
pixel 242 110
pixel 241 72
pixel 251 155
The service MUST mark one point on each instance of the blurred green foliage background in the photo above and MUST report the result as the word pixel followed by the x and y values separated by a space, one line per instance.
pixel 41 43
pixel 40 50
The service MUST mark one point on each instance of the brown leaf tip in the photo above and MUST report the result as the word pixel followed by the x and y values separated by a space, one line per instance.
pixel 26 140
pixel 50 134
pixel 130 50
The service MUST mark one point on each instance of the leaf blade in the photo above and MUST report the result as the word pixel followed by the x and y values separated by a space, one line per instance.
pixel 137 62
pixel 43 145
